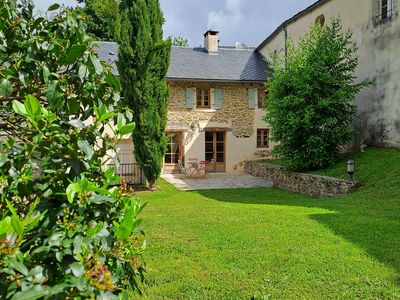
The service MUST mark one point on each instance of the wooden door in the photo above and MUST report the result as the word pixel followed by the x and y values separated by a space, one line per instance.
pixel 215 150
pixel 173 153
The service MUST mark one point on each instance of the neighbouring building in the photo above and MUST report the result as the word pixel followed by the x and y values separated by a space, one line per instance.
pixel 376 28
pixel 216 105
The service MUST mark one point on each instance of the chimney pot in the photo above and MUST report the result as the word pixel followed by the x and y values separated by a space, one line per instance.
pixel 211 41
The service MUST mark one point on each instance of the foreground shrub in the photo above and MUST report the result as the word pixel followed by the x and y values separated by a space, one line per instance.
pixel 64 232
pixel 310 103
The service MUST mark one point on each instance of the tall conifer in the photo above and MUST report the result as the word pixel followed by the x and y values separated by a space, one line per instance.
pixel 143 64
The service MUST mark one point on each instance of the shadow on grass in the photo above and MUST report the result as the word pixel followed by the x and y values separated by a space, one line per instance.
pixel 369 220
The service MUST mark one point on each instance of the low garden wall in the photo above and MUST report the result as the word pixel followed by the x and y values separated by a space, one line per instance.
pixel 302 183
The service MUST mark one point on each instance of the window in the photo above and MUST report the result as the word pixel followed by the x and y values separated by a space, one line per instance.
pixel 262 95
pixel 203 99
pixel 262 138
pixel 173 153
pixel 386 10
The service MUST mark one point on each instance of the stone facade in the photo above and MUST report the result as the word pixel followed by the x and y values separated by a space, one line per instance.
pixel 302 183
pixel 234 117
pixel 235 113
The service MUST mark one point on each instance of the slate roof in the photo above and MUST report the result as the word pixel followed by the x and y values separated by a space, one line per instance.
pixel 230 64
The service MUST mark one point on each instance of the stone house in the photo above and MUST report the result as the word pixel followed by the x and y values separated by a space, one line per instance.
pixel 216 105
pixel 376 31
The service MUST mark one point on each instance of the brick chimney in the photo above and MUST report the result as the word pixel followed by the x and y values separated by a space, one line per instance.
pixel 211 42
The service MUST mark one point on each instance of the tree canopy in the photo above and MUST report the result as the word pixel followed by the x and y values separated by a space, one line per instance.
pixel 179 41
pixel 102 18
pixel 310 102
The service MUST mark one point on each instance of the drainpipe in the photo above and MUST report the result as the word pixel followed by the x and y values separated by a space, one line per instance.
pixel 286 40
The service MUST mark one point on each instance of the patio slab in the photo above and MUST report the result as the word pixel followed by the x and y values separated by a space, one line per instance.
pixel 216 181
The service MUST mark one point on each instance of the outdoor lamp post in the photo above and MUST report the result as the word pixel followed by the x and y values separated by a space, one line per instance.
pixel 350 168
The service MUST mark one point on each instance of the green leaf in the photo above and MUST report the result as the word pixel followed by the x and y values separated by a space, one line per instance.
pixel 77 244
pixel 19 108
pixel 96 64
pixel 54 97
pixel 3 159
pixel 77 269
pixel 46 74
pixel 33 293
pixel 126 129
pixel 73 53
pixel 18 265
pixel 82 72
pixel 33 108
pixel 100 199
pixel 113 81
pixel 11 208
pixel 33 222
pixel 72 189
pixel 17 225
pixel 86 148
pixel 5 225
pixel 107 116
pixel 76 123
pixel 6 88
pixel 53 7
pixel 37 22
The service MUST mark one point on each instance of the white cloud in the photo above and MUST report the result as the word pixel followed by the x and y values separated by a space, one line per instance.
pixel 230 15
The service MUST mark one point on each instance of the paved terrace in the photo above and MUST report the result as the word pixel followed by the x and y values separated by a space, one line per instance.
pixel 216 181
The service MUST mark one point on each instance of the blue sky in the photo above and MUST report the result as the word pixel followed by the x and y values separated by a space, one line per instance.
pixel 246 21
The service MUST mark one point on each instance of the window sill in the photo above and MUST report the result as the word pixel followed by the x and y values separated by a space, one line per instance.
pixel 380 21
pixel 207 110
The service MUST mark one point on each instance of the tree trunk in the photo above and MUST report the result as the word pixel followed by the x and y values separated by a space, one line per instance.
pixel 152 183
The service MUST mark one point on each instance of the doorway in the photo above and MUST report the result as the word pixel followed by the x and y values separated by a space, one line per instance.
pixel 174 152
pixel 215 150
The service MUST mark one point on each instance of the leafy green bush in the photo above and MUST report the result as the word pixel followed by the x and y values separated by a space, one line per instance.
pixel 64 231
pixel 310 99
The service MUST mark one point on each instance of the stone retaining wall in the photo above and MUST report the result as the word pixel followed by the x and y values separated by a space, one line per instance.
pixel 302 183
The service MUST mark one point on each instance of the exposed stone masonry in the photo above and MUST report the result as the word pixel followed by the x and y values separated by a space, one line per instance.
pixel 234 113
pixel 302 183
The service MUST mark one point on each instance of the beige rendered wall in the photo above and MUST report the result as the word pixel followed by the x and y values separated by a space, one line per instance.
pixel 239 121
pixel 379 105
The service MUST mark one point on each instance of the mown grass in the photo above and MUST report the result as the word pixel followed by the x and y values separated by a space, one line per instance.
pixel 267 243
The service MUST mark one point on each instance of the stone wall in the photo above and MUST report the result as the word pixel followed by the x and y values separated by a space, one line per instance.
pixel 302 183
pixel 234 113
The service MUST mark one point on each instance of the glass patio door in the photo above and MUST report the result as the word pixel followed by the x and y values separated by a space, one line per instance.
pixel 215 150
pixel 173 153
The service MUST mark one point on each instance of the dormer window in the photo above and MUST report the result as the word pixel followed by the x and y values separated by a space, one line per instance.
pixel 385 10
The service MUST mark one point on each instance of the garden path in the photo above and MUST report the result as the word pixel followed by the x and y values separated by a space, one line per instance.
pixel 216 181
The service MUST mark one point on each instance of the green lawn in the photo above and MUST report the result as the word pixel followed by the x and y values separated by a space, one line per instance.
pixel 266 243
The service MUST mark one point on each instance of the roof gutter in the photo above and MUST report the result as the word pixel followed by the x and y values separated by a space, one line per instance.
pixel 214 80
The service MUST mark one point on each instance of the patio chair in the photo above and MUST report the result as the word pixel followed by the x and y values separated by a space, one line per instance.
pixel 182 169
pixel 202 169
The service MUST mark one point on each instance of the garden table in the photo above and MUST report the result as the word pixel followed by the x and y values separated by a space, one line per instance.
pixel 197 170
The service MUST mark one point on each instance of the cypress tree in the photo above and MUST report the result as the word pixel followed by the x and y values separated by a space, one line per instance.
pixel 143 64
